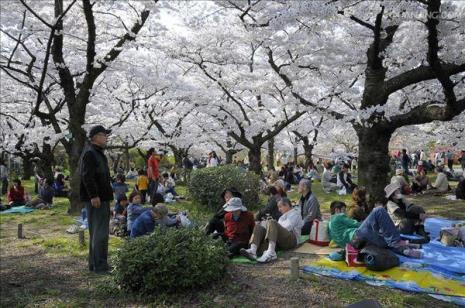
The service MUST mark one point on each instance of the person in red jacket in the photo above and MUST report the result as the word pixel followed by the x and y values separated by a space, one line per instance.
pixel 153 172
pixel 16 194
pixel 238 226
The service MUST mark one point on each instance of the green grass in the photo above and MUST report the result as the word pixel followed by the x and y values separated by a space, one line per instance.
pixel 46 229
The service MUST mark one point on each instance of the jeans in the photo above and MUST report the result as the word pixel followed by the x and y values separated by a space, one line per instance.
pixel 99 229
pixel 378 229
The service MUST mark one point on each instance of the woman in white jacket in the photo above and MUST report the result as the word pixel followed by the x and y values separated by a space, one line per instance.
pixel 283 234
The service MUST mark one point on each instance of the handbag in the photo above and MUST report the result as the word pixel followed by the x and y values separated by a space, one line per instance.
pixel 319 234
pixel 379 259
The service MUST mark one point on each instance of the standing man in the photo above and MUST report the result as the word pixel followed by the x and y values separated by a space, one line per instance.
pixel 96 194
pixel 405 160
pixel 4 176
pixel 450 161
pixel 462 161
pixel 153 172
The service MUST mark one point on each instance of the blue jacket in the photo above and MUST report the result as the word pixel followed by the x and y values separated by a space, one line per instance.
pixel 145 224
pixel 134 211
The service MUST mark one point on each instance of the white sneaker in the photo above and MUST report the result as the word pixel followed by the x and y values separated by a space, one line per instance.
pixel 267 256
pixel 248 253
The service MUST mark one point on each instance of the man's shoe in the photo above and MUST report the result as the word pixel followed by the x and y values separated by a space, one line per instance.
pixel 267 256
pixel 248 254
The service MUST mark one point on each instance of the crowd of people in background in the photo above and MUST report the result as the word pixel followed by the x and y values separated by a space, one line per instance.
pixel 278 225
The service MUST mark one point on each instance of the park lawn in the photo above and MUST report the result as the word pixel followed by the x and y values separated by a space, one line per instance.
pixel 48 268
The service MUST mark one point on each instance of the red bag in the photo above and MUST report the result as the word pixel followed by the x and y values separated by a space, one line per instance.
pixel 319 233
pixel 351 256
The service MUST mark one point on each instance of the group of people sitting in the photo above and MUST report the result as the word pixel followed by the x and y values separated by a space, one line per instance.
pixel 18 196
pixel 280 224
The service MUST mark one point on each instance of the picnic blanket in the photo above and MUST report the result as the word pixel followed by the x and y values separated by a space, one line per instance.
pixel 18 210
pixel 405 277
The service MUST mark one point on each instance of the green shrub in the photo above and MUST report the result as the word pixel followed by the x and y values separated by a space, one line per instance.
pixel 170 260
pixel 206 185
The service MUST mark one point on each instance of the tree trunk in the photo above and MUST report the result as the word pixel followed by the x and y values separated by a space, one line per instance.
pixel 373 160
pixel 74 151
pixel 126 157
pixel 255 160
pixel 229 156
pixel 295 155
pixel 308 152
pixel 27 168
pixel 270 156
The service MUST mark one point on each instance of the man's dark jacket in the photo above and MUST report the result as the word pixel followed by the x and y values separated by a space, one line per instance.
pixel 95 174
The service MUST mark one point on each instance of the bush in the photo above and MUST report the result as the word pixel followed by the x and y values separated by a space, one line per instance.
pixel 206 185
pixel 169 260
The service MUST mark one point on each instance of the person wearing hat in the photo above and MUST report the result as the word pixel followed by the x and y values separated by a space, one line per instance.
pixel 283 234
pixel 407 217
pixel 400 179
pixel 217 221
pixel 96 193
pixel 377 229
pixel 238 226
pixel 441 185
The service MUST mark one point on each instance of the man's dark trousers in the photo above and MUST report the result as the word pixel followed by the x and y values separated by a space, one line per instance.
pixel 99 220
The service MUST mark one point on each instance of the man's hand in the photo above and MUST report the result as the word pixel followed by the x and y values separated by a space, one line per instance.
pixel 95 202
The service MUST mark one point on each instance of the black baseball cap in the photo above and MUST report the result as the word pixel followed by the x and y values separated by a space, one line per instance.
pixel 98 129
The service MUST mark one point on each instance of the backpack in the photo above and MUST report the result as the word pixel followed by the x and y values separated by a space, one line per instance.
pixel 379 259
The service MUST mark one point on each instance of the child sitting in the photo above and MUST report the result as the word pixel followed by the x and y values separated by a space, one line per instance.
pixel 16 194
pixel 142 185
pixel 134 209
pixel 45 198
pixel 157 216
pixel 377 229
pixel 119 187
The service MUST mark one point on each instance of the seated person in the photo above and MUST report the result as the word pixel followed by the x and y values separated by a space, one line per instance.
pixel 59 186
pixel 168 184
pixel 460 190
pixel 420 167
pixel 120 210
pixel 283 234
pixel 271 208
pixel 147 221
pixel 217 223
pixel 421 182
pixel 45 198
pixel 359 208
pixel 313 173
pixel 238 226
pixel 308 206
pixel 142 185
pixel 441 185
pixel 407 217
pixel 119 187
pixel 16 194
pixel 131 174
pixel 400 179
pixel 377 229
pixel 344 180
pixel 327 181
pixel 134 208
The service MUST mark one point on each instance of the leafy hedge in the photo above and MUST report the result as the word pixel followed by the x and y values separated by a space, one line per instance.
pixel 169 260
pixel 206 185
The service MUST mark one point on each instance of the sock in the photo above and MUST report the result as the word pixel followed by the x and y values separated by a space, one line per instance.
pixel 271 246
pixel 253 249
